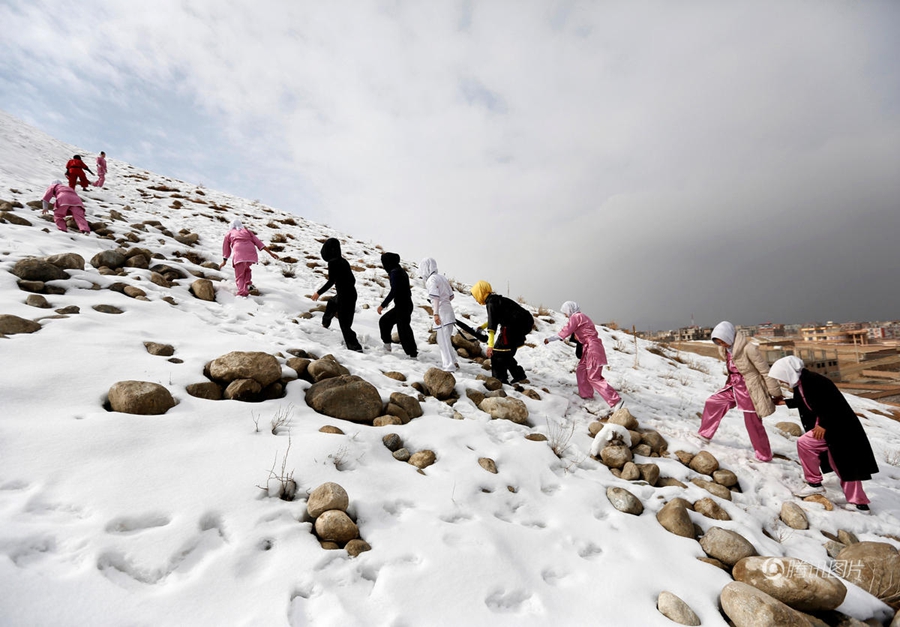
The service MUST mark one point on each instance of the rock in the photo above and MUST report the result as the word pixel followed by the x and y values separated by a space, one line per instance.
pixel 135 292
pixel 204 290
pixel 704 463
pixel 347 397
pixel 71 309
pixel 793 516
pixel 726 546
pixel 675 609
pixel 624 501
pixel 31 286
pixel 630 472
pixel 657 442
pixel 668 482
pixel 440 384
pixel 357 546
pixel 533 395
pixel 821 499
pixel 396 376
pixel 107 309
pixel 614 456
pixel 325 368
pixel 12 218
pixel 140 397
pixel 36 300
pixel 684 457
pixel 833 548
pixel 11 325
pixel 261 367
pixel 595 427
pixel 714 562
pixel 492 384
pixel 163 350
pixel 536 437
pixel 326 497
pixel 387 421
pixel 392 441
pixel 138 261
pixel 330 429
pixel 409 404
pixel 747 606
pixel 643 450
pixel 335 525
pixel 790 428
pixel 33 269
pixel 67 261
pixel 207 389
pixel 713 488
pixel 422 459
pixel 188 240
pixel 623 417
pixel 674 518
pixel 488 464
pixel 794 582
pixel 649 473
pixel 475 396
pixel 299 365
pixel 157 279
pixel 402 454
pixel 501 408
pixel 873 566
pixel 725 477
pixel 243 390
pixel 847 537
pixel 170 273
pixel 112 259
pixel 711 509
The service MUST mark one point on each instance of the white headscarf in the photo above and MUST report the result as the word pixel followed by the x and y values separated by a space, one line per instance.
pixel 787 369
pixel 236 224
pixel 724 331
pixel 569 307
pixel 427 267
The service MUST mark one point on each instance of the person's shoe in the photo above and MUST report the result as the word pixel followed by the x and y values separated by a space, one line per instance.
pixel 251 287
pixel 387 348
pixel 522 380
pixel 810 489
pixel 326 322
pixel 854 507
pixel 618 405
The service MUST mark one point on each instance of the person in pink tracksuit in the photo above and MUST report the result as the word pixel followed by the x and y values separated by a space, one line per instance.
pixel 67 202
pixel 101 170
pixel 748 387
pixel 589 373
pixel 241 244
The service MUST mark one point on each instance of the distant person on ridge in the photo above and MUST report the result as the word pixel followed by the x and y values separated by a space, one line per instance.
pixel 834 437
pixel 343 303
pixel 242 243
pixel 67 202
pixel 401 314
pixel 101 170
pixel 75 168
pixel 589 373
pixel 748 387
pixel 514 323
pixel 440 293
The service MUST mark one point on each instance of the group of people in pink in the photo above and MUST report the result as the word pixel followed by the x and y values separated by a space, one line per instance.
pixel 834 438
pixel 65 200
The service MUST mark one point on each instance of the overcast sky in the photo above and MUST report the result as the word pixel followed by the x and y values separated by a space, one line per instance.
pixel 650 160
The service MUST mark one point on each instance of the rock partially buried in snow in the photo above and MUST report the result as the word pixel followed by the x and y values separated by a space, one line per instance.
pixel 624 418
pixel 357 546
pixel 11 325
pixel 488 464
pixel 327 367
pixel 38 270
pixel 790 428
pixel 140 397
pixel 624 501
pixel 873 566
pixel 111 259
pixel 261 367
pixel 675 609
pixel 794 582
pixel 711 509
pixel 326 497
pixel 242 390
pixel 747 606
pixel 347 397
pixel 793 516
pixel 207 390
pixel 162 350
pixel 505 408
pixel 335 525
pixel 204 290
pixel 615 455
pixel 726 546
pixel 67 261
pixel 440 384
pixel 422 459
pixel 704 463
pixel 674 518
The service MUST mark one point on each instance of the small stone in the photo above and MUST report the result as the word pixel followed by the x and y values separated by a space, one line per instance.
pixel 422 459
pixel 615 456
pixel 511 409
pixel 704 463
pixel 327 496
pixel 402 455
pixel 242 390
pixel 630 472
pixel 392 441
pixel 536 437
pixel 330 429
pixel 357 546
pixel 711 509
pixel 488 464
pixel 36 300
pixel 713 488
pixel 475 396
pixel 335 525
pixel 674 518
pixel 624 418
pixel 595 427
pixel 793 516
pixel 396 376
pixel 649 473
pixel 71 309
pixel 624 501
pixel 790 428
pixel 11 325
pixel 725 477
pixel 726 546
pixel 440 384
pixel 387 421
pixel 204 290
pixel 675 609
pixel 135 292
pixel 140 397
pixel 847 537
pixel 207 389
pixel 643 450
pixel 107 309
pixel 747 606
pixel 793 582
pixel 833 548
pixel 821 500
pixel 163 350
pixel 684 457
pixel 668 482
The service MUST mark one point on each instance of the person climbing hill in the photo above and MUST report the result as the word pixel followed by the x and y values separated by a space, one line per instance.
pixel 240 245
pixel 514 323
pixel 101 170
pixel 440 292
pixel 75 168
pixel 67 203
pixel 343 303
pixel 401 314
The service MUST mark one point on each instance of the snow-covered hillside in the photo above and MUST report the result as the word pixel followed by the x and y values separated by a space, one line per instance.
pixel 116 519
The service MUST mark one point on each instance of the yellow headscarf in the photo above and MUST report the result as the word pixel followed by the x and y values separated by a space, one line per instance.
pixel 481 291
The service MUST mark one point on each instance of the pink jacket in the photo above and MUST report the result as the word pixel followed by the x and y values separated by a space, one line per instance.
pixel 101 166
pixel 244 244
pixel 65 196
pixel 586 333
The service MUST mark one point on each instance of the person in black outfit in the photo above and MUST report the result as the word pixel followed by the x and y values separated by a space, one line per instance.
pixel 403 306
pixel 514 323
pixel 343 303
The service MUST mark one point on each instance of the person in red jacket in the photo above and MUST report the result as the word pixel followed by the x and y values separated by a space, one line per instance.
pixel 75 172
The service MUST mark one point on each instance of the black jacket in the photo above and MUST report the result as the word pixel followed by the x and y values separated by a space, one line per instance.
pixel 844 435
pixel 509 314
pixel 339 273
pixel 400 291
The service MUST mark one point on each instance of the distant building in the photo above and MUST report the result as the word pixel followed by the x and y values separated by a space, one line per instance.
pixel 693 334
pixel 770 330
pixel 835 333
pixel 749 331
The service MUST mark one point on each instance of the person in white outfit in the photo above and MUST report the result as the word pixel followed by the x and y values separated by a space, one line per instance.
pixel 440 293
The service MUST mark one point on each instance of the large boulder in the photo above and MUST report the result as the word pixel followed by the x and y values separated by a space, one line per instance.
pixel 704 463
pixel 440 384
pixel 67 261
pixel 874 567
pixel 407 403
pixel 204 290
pixel 261 367
pixel 726 546
pixel 347 397
pixel 505 408
pixel 140 397
pixel 10 325
pixel 793 516
pixel 112 259
pixel 747 606
pixel 792 581
pixel 325 368
pixel 33 269
pixel 326 497
pixel 335 525
pixel 675 609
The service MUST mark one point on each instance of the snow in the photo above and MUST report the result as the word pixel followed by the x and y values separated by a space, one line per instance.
pixel 115 519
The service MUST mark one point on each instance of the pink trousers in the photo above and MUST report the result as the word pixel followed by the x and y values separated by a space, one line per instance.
pixel 589 375
pixel 60 213
pixel 718 405
pixel 810 449
pixel 242 276
pixel 100 180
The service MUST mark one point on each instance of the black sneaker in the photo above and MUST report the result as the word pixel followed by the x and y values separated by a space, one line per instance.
pixel 326 322
pixel 862 507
